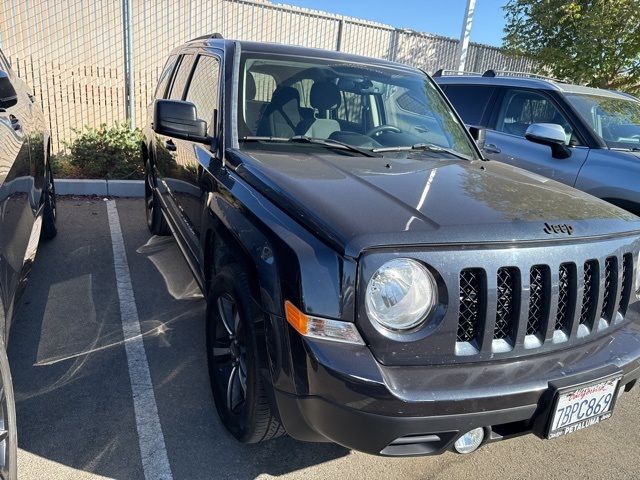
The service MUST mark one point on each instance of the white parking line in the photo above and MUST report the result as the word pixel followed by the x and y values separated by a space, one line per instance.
pixel 153 451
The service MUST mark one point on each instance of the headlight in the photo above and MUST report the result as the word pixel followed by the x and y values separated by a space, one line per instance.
pixel 401 294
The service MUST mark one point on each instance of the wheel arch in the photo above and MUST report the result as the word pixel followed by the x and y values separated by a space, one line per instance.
pixel 222 247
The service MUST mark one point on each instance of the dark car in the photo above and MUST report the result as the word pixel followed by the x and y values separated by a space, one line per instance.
pixel 27 213
pixel 588 138
pixel 370 279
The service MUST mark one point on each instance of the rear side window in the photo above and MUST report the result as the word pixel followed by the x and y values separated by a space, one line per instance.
pixel 304 89
pixel 351 107
pixel 411 104
pixel 181 77
pixel 163 81
pixel 469 101
pixel 204 87
pixel 265 86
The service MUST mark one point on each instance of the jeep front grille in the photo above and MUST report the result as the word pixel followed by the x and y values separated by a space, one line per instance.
pixel 538 296
pixel 590 294
pixel 471 303
pixel 610 288
pixel 562 303
pixel 627 283
pixel 507 302
pixel 566 297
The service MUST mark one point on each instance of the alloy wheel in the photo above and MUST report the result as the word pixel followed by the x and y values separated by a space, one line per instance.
pixel 230 354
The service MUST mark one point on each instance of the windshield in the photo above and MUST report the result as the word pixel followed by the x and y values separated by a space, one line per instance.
pixel 360 105
pixel 614 119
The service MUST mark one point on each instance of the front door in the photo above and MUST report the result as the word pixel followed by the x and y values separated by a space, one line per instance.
pixel 506 142
pixel 203 92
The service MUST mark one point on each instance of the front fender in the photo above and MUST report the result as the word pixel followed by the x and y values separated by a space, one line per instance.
pixel 285 261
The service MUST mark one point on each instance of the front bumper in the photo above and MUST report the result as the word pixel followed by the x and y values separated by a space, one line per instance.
pixel 342 394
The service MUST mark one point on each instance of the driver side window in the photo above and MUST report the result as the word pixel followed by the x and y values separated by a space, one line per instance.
pixel 521 108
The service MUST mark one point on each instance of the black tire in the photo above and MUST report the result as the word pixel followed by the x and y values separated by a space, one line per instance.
pixel 8 427
pixel 241 402
pixel 156 222
pixel 49 212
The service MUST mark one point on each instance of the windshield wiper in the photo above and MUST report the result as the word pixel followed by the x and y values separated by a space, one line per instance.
pixel 256 138
pixel 331 144
pixel 431 147
pixel 313 140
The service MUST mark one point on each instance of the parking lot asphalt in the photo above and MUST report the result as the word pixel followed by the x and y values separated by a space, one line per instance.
pixel 76 416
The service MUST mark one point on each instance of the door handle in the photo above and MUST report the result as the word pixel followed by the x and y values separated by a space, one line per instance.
pixel 170 146
pixel 492 148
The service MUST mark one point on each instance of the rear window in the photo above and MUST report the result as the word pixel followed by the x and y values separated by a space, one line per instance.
pixel 469 101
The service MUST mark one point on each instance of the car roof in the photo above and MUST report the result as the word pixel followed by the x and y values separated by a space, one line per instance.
pixel 216 41
pixel 530 82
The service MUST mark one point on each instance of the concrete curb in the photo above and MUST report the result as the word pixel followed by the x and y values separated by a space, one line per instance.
pixel 103 188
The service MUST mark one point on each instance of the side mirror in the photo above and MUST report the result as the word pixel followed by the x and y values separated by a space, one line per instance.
pixel 479 134
pixel 8 94
pixel 549 134
pixel 178 119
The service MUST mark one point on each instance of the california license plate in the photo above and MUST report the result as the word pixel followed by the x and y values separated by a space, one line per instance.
pixel 583 407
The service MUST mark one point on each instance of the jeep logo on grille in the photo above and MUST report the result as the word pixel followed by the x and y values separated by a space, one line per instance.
pixel 563 228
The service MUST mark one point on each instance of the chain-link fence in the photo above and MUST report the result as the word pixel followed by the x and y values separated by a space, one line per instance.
pixel 97 62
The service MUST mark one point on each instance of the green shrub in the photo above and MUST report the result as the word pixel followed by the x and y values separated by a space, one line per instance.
pixel 62 168
pixel 103 152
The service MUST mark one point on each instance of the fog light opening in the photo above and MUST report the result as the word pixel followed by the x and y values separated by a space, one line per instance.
pixel 470 441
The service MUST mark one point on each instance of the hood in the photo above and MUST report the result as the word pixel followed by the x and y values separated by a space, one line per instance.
pixel 414 199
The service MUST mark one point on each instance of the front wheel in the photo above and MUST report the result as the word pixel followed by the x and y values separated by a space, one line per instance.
pixel 156 222
pixel 237 387
pixel 8 428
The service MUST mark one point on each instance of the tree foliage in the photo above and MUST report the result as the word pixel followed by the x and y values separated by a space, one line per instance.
pixel 590 42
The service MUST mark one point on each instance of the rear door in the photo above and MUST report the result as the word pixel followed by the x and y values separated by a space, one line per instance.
pixel 169 172
pixel 505 141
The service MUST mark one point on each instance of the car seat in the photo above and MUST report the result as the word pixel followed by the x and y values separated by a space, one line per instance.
pixel 325 99
pixel 281 117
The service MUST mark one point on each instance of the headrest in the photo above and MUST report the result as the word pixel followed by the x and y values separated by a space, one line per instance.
pixel 250 87
pixel 283 95
pixel 325 96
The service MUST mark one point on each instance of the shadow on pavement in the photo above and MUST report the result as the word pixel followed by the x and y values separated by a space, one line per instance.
pixel 70 371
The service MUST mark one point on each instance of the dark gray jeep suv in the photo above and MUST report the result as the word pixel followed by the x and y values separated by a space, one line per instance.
pixel 370 279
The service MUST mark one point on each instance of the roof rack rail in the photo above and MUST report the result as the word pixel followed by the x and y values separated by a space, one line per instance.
pixel 206 37
pixel 444 71
pixel 510 73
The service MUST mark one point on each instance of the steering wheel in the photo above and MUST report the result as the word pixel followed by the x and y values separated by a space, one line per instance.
pixel 376 131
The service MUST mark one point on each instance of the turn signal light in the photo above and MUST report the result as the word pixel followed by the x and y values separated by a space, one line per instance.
pixel 323 328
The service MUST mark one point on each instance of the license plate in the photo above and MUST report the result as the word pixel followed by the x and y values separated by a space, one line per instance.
pixel 583 407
